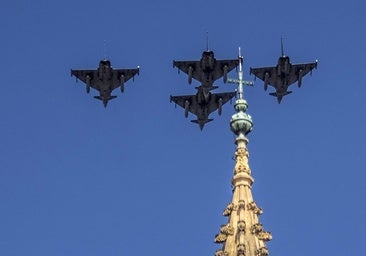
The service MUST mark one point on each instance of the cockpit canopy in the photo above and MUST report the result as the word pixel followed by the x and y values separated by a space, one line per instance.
pixel 283 60
pixel 105 63
pixel 206 54
pixel 207 61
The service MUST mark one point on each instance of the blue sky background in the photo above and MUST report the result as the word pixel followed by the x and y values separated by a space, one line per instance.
pixel 137 177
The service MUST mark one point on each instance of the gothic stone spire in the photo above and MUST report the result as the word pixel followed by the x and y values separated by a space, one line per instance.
pixel 243 235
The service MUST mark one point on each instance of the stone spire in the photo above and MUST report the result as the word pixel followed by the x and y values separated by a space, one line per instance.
pixel 243 235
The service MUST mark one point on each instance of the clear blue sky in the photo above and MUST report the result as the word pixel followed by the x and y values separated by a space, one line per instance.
pixel 138 178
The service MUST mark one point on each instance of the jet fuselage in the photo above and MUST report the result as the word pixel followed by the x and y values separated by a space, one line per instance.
pixel 105 70
pixel 283 66
pixel 105 77
pixel 208 62
pixel 203 96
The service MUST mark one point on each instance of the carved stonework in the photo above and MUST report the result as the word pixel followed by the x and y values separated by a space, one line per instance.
pixel 241 205
pixel 263 251
pixel 225 231
pixel 229 208
pixel 256 228
pixel 240 250
pixel 241 226
pixel 253 207
pixel 265 236
pixel 220 238
pixel 221 253
pixel 241 156
pixel 241 152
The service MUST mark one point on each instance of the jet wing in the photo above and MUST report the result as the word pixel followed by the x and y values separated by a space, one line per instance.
pixel 261 74
pixel 182 99
pixel 83 74
pixel 220 68
pixel 304 69
pixel 215 100
pixel 197 109
pixel 197 71
pixel 294 75
pixel 120 76
pixel 184 66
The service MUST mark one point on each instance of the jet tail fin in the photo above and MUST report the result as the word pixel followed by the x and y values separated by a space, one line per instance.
pixel 276 95
pixel 279 96
pixel 201 123
pixel 110 97
pixel 209 88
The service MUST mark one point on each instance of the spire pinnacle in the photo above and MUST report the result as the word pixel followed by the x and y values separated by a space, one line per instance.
pixel 240 80
pixel 241 123
pixel 243 235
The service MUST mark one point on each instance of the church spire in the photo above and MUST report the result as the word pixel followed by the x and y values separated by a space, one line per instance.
pixel 243 235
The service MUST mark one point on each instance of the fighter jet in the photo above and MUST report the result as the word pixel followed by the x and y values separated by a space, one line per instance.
pixel 206 70
pixel 202 104
pixel 283 75
pixel 105 79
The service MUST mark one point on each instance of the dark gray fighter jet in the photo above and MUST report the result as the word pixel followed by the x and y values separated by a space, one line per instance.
pixel 206 70
pixel 202 104
pixel 105 79
pixel 283 75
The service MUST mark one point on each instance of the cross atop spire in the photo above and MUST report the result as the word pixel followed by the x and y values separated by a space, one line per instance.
pixel 241 123
pixel 240 80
